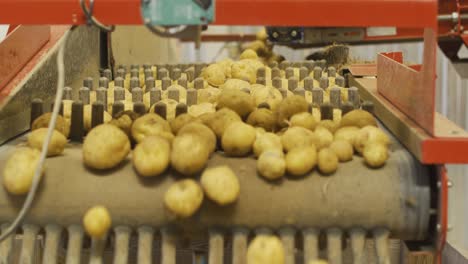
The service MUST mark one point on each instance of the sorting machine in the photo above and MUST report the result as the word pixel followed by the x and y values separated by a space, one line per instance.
pixel 338 218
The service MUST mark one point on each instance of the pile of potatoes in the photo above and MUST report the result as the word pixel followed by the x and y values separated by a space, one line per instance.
pixel 236 116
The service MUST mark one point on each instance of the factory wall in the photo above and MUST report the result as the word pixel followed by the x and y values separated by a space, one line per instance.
pixel 451 101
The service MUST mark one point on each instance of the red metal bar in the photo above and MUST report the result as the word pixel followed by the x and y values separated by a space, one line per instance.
pixel 443 212
pixel 18 48
pixel 401 13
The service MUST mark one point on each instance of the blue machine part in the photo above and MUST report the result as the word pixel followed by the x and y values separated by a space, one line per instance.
pixel 178 12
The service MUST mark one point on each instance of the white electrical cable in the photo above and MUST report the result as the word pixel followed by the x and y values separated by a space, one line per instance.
pixel 50 130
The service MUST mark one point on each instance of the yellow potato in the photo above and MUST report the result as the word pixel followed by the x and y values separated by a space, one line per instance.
pixel 359 118
pixel 325 137
pixel 369 134
pixel 97 221
pixel 221 120
pixel 265 249
pixel 183 198
pixel 56 145
pixel 214 75
pixel 305 120
pixel 346 133
pixel 201 109
pixel 266 94
pixel 235 84
pixel 238 139
pixel 248 54
pixel 301 160
pixel 105 147
pixel 203 131
pixel 180 121
pixel 332 126
pixel 267 141
pixel 289 107
pixel 208 95
pixel 226 65
pixel 343 149
pixel 246 69
pixel 19 170
pixel 375 154
pixel 151 125
pixel 61 125
pixel 262 117
pixel 318 262
pixel 236 100
pixel 151 157
pixel 189 154
pixel 327 161
pixel 298 137
pixel 124 120
pixel 220 184
pixel 271 164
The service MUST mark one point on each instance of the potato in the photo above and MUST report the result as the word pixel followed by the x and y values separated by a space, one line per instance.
pixel 238 139
pixel 97 221
pixel 208 95
pixel 151 125
pixel 260 131
pixel 183 198
pixel 266 94
pixel 343 149
pixel 346 133
pixel 304 119
pixel 236 84
pixel 246 69
pixel 301 160
pixel 61 125
pixel 151 157
pixel 206 118
pixel 56 145
pixel 236 100
pixel 180 121
pixel 205 133
pixel 220 184
pixel 262 117
pixel 325 137
pixel 375 154
pixel 201 109
pixel 369 134
pixel 319 261
pixel 265 249
pixel 267 141
pixel 189 154
pixel 226 65
pixel 221 120
pixel 124 120
pixel 87 116
pixel 298 137
pixel 105 147
pixel 327 161
pixel 248 54
pixel 19 170
pixel 332 126
pixel 359 118
pixel 271 164
pixel 214 75
pixel 290 106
